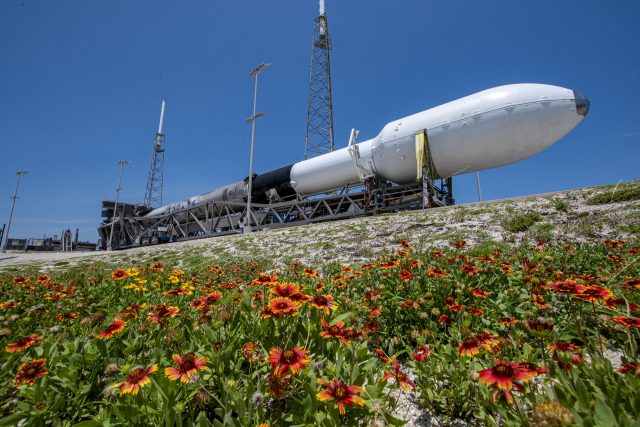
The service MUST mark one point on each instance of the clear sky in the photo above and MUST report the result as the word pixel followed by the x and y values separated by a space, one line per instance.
pixel 81 84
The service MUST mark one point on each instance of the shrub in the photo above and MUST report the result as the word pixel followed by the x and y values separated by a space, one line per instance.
pixel 521 222
pixel 616 196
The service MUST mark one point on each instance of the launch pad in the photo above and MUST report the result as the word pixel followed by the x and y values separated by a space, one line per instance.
pixel 212 219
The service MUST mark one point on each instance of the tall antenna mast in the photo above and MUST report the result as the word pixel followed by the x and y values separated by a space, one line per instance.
pixel 320 111
pixel 153 195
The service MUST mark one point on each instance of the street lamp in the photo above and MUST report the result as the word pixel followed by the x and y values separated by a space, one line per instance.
pixel 254 73
pixel 13 205
pixel 122 164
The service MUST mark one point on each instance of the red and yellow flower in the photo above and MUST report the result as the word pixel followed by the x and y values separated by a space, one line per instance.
pixel 405 276
pixel 594 294
pixel 480 293
pixel 264 279
pixel 137 378
pixel 119 274
pixel 566 287
pixel 188 366
pixel 29 371
pixel 281 305
pixel 342 393
pixel 162 312
pixel 325 303
pixel 115 327
pixel 23 343
pixel 435 272
pixel 288 360
pixel 401 378
pixel 503 376
pixel 629 322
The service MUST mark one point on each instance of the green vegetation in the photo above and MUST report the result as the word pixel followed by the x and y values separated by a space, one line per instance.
pixel 615 196
pixel 239 343
pixel 560 205
pixel 519 222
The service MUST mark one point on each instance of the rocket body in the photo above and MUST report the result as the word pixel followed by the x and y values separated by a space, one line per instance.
pixel 485 130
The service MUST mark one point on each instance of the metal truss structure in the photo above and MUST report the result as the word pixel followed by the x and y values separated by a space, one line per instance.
pixel 223 218
pixel 153 193
pixel 320 111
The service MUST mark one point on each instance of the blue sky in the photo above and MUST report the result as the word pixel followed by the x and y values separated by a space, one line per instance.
pixel 81 84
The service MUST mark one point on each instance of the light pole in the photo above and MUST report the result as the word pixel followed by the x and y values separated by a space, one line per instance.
pixel 254 73
pixel 13 205
pixel 122 164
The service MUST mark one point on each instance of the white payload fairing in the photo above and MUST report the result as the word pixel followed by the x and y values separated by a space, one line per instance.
pixel 485 130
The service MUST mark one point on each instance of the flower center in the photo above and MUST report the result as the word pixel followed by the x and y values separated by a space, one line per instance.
pixel 137 375
pixel 503 371
pixel 340 392
pixel 289 356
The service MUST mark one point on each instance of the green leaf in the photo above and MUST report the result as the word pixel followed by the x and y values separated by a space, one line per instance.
pixel 604 415
pixel 11 419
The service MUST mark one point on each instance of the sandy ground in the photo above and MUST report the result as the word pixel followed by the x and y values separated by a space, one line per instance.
pixel 563 216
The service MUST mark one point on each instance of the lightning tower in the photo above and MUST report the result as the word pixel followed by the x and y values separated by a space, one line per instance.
pixel 320 113
pixel 153 195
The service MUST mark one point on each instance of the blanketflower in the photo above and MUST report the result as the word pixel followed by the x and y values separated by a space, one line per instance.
pixel 9 304
pixel 630 368
pixel 249 351
pixel 469 347
pixel 309 272
pixel 629 322
pixel 476 311
pixel 421 353
pixel 161 312
pixel 340 392
pixel 137 378
pixel 594 294
pixel 480 293
pixel 375 312
pixel 283 305
pixel 29 371
pixel 119 274
pixel 470 269
pixel 566 354
pixel 402 379
pixel 633 284
pixel 206 301
pixel 435 272
pixel 289 290
pixel 264 279
pixel 115 327
pixel 23 343
pixel 405 276
pixel 566 287
pixel 392 263
pixel 338 330
pixel 188 366
pixel 508 321
pixel 289 360
pixel 325 303
pixel 503 376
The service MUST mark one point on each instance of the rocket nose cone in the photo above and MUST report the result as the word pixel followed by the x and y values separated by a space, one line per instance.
pixel 582 103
